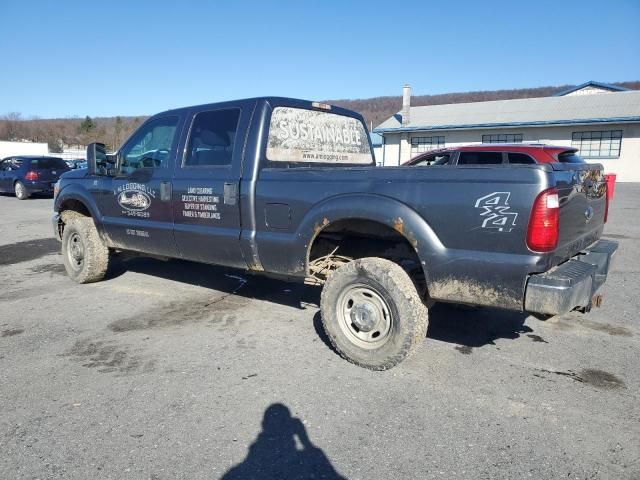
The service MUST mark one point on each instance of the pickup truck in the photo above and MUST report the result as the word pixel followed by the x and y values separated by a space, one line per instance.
pixel 289 188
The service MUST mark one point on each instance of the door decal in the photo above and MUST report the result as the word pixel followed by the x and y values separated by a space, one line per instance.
pixel 135 199
pixel 200 202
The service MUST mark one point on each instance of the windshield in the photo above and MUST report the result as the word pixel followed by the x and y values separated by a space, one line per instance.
pixel 310 136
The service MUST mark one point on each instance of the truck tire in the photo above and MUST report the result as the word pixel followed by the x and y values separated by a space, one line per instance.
pixel 372 313
pixel 20 190
pixel 85 257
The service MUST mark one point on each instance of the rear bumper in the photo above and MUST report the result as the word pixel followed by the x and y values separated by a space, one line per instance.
pixel 572 284
pixel 38 187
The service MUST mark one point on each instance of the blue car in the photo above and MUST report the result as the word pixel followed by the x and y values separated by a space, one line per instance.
pixel 28 174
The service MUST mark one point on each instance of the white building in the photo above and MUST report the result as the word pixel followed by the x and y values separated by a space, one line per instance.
pixel 376 142
pixel 9 149
pixel 602 121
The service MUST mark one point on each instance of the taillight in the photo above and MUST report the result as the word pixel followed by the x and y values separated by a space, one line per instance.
pixel 544 223
pixel 31 175
pixel 606 203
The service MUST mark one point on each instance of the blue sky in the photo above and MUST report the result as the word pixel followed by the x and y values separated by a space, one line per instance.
pixel 75 58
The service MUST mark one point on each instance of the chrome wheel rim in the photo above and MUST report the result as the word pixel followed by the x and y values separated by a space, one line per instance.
pixel 364 316
pixel 19 190
pixel 75 251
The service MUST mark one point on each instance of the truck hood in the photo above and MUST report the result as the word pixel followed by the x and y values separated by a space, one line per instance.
pixel 73 174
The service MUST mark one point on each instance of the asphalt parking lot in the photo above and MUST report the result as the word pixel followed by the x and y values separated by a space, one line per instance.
pixel 177 370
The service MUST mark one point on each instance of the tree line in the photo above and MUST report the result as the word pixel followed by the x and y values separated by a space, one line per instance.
pixel 60 133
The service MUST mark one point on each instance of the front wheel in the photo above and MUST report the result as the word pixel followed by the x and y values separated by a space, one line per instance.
pixel 85 257
pixel 372 313
pixel 21 191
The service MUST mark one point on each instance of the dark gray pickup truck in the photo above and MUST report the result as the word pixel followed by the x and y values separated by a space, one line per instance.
pixel 288 188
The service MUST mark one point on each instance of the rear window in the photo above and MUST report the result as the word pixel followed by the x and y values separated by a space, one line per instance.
pixel 305 136
pixel 480 158
pixel 47 163
pixel 570 157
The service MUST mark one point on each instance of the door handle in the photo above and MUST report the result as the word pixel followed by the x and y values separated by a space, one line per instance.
pixel 165 191
pixel 230 193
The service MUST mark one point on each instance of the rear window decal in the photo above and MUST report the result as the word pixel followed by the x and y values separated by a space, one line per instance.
pixel 300 135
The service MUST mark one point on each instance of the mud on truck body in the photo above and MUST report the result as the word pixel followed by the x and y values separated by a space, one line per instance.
pixel 289 188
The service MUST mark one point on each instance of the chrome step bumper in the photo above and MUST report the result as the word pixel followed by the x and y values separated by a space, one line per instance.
pixel 572 284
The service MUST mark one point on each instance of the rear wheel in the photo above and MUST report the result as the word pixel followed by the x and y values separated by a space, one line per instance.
pixel 85 257
pixel 20 190
pixel 372 313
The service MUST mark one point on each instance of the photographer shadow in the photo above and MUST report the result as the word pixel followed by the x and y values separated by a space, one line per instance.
pixel 275 453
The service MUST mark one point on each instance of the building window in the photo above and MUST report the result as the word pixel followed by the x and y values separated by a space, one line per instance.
pixel 424 144
pixel 602 144
pixel 502 138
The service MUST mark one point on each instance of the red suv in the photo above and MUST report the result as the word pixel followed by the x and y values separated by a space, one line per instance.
pixel 495 153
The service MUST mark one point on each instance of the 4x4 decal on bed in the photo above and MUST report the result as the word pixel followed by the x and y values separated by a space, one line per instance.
pixel 496 211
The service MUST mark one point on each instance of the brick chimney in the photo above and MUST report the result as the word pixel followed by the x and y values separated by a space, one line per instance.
pixel 406 104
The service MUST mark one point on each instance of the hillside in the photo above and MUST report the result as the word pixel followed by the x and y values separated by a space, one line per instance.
pixel 376 110
pixel 59 133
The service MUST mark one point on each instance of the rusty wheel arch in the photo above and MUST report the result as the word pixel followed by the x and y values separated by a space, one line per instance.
pixel 342 238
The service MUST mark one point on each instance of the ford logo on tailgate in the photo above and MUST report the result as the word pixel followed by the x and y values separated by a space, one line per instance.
pixel 588 214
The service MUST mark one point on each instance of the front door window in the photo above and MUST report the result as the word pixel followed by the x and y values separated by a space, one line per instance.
pixel 150 147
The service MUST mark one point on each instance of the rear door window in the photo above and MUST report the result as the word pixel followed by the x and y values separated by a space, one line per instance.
pixel 298 135
pixel 212 137
pixel 480 158
pixel 521 158
pixel 12 164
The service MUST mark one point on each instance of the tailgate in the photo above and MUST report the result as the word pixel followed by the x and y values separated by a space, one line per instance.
pixel 583 204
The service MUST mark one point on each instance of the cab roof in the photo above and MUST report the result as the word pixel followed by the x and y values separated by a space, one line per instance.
pixel 273 101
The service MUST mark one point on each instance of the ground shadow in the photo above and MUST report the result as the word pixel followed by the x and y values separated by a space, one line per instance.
pixel 28 250
pixel 467 328
pixel 225 280
pixel 474 327
pixel 31 195
pixel 275 453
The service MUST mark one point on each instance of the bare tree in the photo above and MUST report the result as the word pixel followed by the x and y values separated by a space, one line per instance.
pixel 13 126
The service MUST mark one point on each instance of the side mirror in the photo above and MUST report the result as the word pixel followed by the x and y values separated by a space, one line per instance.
pixel 98 161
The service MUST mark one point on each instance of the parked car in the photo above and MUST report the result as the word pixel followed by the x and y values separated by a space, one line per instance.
pixel 77 163
pixel 289 188
pixel 497 153
pixel 28 174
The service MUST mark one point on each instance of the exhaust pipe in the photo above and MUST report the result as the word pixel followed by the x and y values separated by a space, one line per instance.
pixel 595 302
